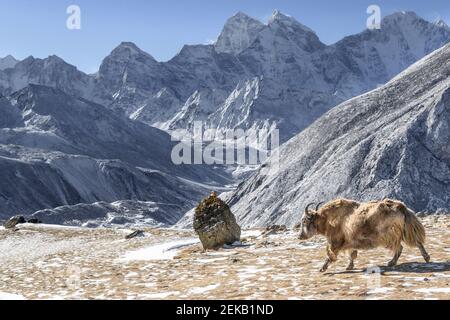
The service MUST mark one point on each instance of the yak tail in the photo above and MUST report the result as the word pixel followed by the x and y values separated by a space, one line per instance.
pixel 414 231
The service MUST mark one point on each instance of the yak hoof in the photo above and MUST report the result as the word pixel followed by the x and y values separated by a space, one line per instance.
pixel 392 264
pixel 427 258
pixel 350 267
pixel 323 269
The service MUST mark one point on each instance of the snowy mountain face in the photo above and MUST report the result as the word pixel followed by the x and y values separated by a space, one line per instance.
pixel 255 75
pixel 52 72
pixel 60 150
pixel 7 62
pixel 239 32
pixel 287 71
pixel 68 138
pixel 391 142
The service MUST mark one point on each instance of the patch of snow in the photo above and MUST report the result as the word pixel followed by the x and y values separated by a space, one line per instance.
pixel 201 290
pixel 47 226
pixel 379 290
pixel 251 233
pixel 251 271
pixel 10 296
pixel 163 251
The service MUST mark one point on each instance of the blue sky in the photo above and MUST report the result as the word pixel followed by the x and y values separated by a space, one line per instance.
pixel 161 27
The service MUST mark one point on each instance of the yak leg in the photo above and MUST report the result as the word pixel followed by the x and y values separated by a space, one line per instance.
pixel 332 253
pixel 353 256
pixel 397 255
pixel 424 253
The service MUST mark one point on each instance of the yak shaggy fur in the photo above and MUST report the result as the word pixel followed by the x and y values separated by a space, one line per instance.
pixel 351 226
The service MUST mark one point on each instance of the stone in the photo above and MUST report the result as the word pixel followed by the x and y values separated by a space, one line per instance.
pixel 34 221
pixel 14 221
pixel 215 224
pixel 135 234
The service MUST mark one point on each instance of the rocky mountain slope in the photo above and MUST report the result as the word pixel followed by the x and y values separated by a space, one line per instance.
pixel 391 142
pixel 288 71
pixel 57 150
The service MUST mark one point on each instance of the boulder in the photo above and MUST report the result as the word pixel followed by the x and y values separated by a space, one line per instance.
pixel 135 234
pixel 14 221
pixel 215 224
pixel 34 221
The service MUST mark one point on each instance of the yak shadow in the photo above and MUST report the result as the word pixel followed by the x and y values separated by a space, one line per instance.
pixel 408 267
pixel 415 267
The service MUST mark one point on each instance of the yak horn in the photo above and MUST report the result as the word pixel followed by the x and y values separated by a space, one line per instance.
pixel 307 208
pixel 318 206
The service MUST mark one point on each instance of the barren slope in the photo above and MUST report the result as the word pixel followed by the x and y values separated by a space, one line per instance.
pixel 48 262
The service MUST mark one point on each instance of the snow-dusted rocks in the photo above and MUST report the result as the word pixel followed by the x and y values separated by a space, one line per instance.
pixel 391 142
pixel 124 213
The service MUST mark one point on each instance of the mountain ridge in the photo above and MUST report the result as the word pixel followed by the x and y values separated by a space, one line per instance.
pixel 298 73
pixel 390 142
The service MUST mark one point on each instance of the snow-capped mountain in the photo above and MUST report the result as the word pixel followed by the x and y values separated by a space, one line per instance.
pixel 52 71
pixel 239 32
pixel 390 142
pixel 255 75
pixel 57 149
pixel 8 62
pixel 68 138
pixel 290 78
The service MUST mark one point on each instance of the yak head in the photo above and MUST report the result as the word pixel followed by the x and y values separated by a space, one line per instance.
pixel 308 224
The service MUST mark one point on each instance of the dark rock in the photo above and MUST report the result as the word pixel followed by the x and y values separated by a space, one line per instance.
pixel 14 221
pixel 34 221
pixel 135 234
pixel 215 224
pixel 234 260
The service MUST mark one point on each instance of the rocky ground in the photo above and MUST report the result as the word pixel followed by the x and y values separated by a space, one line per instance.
pixel 51 262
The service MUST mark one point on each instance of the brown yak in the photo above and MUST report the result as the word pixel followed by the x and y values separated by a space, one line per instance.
pixel 351 226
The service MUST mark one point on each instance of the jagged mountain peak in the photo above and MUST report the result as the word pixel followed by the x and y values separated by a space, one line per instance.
pixel 401 18
pixel 285 26
pixel 442 24
pixel 129 50
pixel 50 61
pixel 280 18
pixel 8 62
pixel 238 33
pixel 8 57
pixel 241 16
